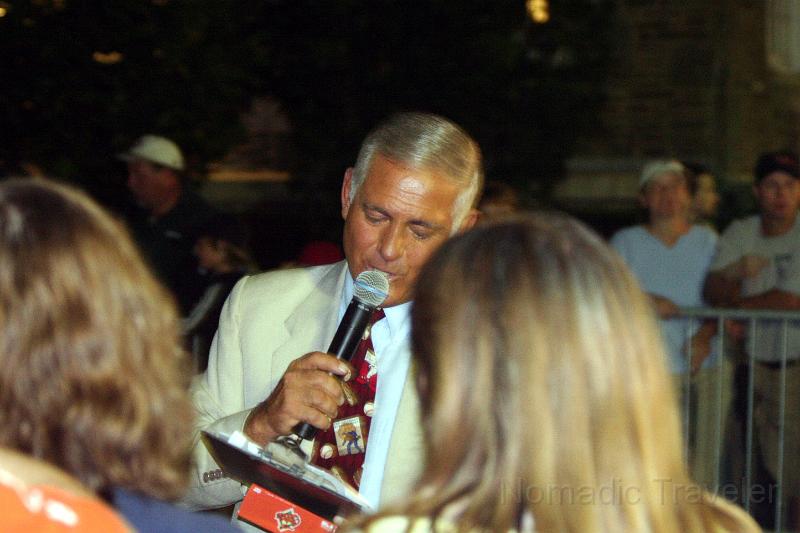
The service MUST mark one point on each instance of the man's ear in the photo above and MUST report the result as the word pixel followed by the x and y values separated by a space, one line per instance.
pixel 346 184
pixel 642 200
pixel 469 220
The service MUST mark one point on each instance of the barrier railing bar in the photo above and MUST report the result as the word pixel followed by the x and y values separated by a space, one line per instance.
pixel 720 342
pixel 751 317
pixel 781 429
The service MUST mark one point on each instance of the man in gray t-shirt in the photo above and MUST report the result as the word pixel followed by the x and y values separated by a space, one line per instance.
pixel 757 266
pixel 767 268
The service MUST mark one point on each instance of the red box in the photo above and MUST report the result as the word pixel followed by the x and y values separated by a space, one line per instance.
pixel 272 513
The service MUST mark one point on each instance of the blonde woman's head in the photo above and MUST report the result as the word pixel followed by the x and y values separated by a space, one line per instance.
pixel 543 385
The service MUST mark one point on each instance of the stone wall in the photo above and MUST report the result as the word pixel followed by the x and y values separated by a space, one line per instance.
pixel 689 80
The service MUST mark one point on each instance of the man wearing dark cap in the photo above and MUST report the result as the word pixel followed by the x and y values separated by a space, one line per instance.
pixel 757 266
pixel 170 217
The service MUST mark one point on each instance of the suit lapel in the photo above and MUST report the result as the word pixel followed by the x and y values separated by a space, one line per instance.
pixel 312 324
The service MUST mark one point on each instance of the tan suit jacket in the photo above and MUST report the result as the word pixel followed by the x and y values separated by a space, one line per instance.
pixel 268 321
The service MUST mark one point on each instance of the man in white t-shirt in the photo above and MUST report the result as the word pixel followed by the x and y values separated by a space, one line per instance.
pixel 669 255
pixel 757 266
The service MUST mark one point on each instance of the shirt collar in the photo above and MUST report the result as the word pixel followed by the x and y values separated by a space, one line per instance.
pixel 397 316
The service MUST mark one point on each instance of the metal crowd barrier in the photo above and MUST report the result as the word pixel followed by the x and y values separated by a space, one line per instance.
pixel 744 491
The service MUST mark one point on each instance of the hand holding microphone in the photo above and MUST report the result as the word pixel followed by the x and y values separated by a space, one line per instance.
pixel 370 290
pixel 307 390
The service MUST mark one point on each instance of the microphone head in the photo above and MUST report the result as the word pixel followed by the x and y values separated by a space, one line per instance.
pixel 371 287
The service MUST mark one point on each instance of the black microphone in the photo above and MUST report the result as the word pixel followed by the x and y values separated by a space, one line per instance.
pixel 369 291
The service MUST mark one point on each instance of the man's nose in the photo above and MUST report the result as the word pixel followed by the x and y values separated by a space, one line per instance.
pixel 783 191
pixel 392 243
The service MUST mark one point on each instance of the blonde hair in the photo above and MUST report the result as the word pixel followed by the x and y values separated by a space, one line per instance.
pixel 92 377
pixel 426 141
pixel 544 390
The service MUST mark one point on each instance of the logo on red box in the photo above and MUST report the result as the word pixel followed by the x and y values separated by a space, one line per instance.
pixel 287 520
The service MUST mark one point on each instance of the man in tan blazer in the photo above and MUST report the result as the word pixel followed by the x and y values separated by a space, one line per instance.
pixel 415 183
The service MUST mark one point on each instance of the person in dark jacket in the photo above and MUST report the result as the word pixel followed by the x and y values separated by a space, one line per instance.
pixel 169 217
pixel 223 258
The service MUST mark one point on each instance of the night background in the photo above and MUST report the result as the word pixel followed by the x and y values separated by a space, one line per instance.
pixel 82 80
pixel 567 98
pixel 270 99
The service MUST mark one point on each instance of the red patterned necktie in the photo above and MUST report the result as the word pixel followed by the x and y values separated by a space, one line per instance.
pixel 342 447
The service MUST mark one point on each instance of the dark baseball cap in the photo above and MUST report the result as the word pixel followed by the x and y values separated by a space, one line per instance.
pixel 783 161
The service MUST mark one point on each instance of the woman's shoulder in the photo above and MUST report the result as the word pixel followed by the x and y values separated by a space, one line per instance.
pixel 729 518
pixel 736 520
pixel 36 496
pixel 43 508
pixel 403 524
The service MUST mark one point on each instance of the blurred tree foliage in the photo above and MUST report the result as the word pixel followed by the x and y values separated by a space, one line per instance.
pixel 524 90
pixel 82 79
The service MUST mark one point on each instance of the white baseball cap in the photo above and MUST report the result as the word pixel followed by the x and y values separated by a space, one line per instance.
pixel 659 167
pixel 155 149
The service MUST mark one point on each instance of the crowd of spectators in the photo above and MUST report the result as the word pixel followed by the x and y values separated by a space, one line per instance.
pixel 755 264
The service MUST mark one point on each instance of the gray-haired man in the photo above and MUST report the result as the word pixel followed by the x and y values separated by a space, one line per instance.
pixel 415 183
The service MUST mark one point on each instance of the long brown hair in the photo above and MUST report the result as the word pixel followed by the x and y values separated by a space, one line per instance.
pixel 544 390
pixel 92 378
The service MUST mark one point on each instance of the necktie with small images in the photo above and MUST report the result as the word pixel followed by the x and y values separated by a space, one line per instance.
pixel 342 447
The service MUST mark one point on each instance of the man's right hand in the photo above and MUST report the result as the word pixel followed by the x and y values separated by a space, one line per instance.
pixel 665 308
pixel 748 266
pixel 309 391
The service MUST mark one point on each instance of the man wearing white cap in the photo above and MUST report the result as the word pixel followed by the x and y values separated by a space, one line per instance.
pixel 167 226
pixel 669 254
